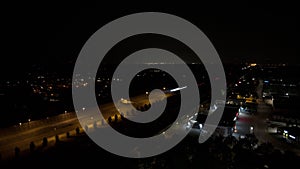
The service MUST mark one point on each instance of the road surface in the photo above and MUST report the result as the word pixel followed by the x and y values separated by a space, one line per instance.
pixel 21 135
pixel 260 126
pixel 258 121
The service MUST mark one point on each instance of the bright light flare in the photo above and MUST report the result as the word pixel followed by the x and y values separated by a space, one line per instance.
pixel 179 88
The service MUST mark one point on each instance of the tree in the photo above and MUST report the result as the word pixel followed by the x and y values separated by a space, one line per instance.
pixel 147 106
pixel 116 118
pixel 45 142
pixel 109 119
pixel 122 117
pixel 31 146
pixel 68 134
pixel 77 130
pixel 17 151
pixel 133 111
pixel 56 138
pixel 86 128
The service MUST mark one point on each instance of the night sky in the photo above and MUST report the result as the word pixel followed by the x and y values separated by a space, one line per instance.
pixel 51 35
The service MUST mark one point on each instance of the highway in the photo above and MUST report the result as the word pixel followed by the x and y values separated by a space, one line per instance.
pixel 21 135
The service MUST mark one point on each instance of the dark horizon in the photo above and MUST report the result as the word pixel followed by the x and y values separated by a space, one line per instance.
pixel 52 36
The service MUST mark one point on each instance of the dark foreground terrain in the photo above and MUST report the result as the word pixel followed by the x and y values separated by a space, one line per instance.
pixel 218 152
